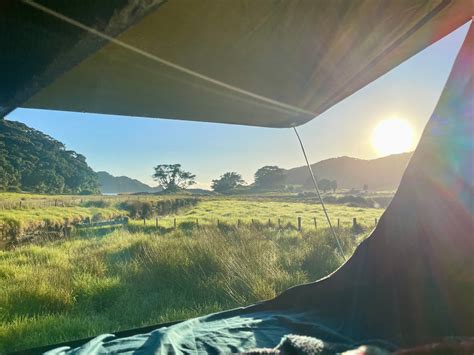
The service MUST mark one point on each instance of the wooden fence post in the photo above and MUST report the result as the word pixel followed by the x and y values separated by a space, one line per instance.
pixel 238 223
pixel 354 222
pixel 315 223
pixel 156 222
pixel 174 223
pixel 197 222
pixel 338 223
pixel 144 221
pixel 299 224
pixel 218 224
pixel 279 223
pixel 269 222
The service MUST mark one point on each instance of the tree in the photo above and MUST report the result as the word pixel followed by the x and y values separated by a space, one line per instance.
pixel 227 182
pixel 269 177
pixel 324 185
pixel 33 161
pixel 172 177
pixel 334 186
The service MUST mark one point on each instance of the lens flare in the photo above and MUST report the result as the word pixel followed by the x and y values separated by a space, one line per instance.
pixel 392 136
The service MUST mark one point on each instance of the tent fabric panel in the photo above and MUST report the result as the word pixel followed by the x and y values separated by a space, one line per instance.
pixel 36 48
pixel 305 54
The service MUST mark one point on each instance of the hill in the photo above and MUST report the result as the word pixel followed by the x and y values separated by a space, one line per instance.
pixel 122 184
pixel 33 161
pixel 379 174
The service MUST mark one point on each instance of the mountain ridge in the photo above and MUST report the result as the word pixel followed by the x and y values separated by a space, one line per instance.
pixel 110 184
pixel 353 173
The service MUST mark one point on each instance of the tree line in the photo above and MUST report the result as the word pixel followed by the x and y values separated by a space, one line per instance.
pixel 173 178
pixel 33 161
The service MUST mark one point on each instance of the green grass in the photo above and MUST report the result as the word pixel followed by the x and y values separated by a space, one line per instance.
pixel 99 281
pixel 15 200
pixel 230 210
pixel 93 284
pixel 15 222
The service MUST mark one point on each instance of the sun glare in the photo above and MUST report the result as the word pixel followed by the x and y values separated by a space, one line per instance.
pixel 392 136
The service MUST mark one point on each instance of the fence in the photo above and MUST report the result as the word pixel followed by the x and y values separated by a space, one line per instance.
pixel 275 223
pixel 162 204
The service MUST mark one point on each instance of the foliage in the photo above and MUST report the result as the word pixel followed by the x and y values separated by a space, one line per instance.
pixel 325 185
pixel 334 186
pixel 33 161
pixel 269 177
pixel 227 183
pixel 96 203
pixel 172 178
pixel 137 209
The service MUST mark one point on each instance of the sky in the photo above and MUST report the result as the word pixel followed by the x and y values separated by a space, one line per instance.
pixel 133 146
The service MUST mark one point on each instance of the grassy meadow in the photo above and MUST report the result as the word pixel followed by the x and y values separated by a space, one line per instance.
pixel 231 210
pixel 102 281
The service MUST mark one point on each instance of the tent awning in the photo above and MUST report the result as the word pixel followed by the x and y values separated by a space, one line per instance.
pixel 264 63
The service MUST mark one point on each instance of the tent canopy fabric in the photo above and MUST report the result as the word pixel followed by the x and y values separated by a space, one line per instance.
pixel 265 63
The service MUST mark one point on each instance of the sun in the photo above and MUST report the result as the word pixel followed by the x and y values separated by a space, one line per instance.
pixel 392 136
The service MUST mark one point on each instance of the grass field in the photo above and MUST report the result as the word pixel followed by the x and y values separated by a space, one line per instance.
pixel 95 282
pixel 230 210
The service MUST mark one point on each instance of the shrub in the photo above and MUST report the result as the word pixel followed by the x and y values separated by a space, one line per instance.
pixel 137 209
pixel 96 203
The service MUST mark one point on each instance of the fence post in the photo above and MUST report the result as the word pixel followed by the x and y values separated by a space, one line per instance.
pixel 299 224
pixel 354 222
pixel 218 224
pixel 156 222
pixel 279 223
pixel 197 222
pixel 144 221
pixel 238 223
pixel 338 223
pixel 315 223
pixel 269 222
pixel 174 223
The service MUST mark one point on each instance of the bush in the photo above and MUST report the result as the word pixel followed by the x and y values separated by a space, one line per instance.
pixel 137 209
pixel 13 189
pixel 86 192
pixel 96 203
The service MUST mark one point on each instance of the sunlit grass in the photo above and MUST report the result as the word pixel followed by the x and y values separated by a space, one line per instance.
pixel 93 284
pixel 53 216
pixel 230 211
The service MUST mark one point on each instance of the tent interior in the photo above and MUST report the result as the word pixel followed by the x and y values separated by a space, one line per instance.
pixel 277 64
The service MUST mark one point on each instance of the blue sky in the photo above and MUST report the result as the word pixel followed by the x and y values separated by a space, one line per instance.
pixel 132 146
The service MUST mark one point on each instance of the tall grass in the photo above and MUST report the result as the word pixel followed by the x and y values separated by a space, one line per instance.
pixel 93 284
